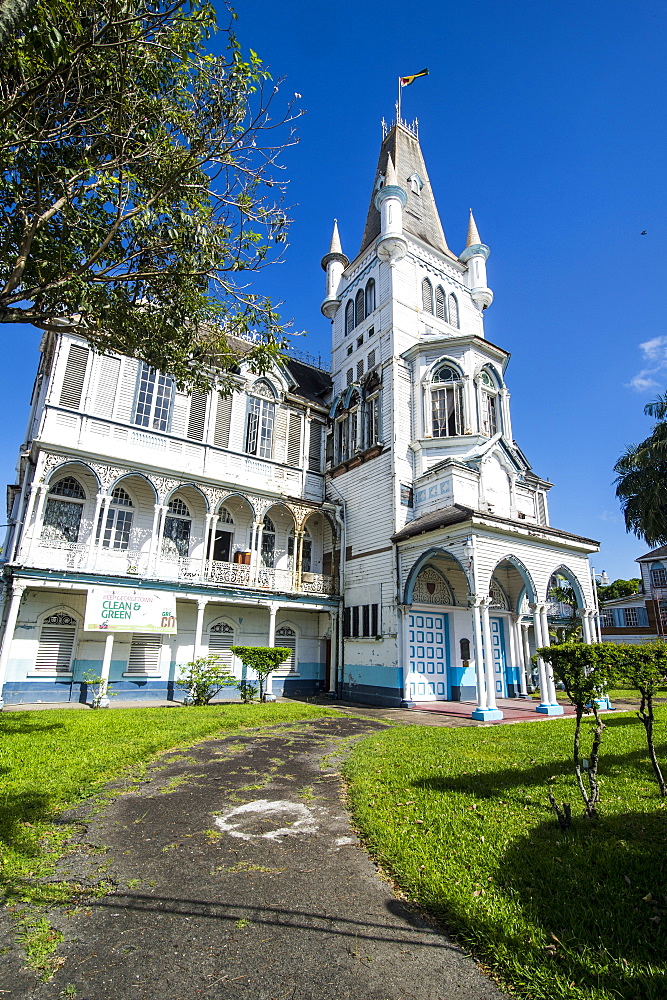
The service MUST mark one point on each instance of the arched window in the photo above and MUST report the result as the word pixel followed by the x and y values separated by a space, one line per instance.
pixel 64 507
pixel 446 402
pixel 453 311
pixel 268 550
pixel 349 317
pixel 370 296
pixel 286 638
pixel 359 307
pixel 260 420
pixel 224 537
pixel 57 636
pixel 118 524
pixel 220 641
pixel 488 405
pixel 307 552
pixel 440 306
pixel 176 534
pixel 427 296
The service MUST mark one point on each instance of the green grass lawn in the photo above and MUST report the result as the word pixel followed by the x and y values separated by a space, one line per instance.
pixel 52 759
pixel 460 819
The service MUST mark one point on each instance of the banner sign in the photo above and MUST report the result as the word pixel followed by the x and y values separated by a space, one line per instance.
pixel 122 609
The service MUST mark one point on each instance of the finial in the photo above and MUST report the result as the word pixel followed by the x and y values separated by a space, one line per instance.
pixel 390 173
pixel 473 235
pixel 335 239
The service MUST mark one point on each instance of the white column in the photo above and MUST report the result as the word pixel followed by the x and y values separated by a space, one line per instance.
pixel 522 639
pixel 479 657
pixel 541 669
pixel 546 641
pixel 106 667
pixel 211 545
pixel 39 517
pixel 254 550
pixel 90 559
pixel 157 511
pixel 99 544
pixel 514 649
pixel 586 623
pixel 333 657
pixel 22 529
pixel 298 559
pixel 8 634
pixel 488 658
pixel 199 626
pixel 268 683
pixel 206 542
pixel 157 547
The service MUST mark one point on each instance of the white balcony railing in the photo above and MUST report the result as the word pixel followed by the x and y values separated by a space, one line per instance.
pixel 60 555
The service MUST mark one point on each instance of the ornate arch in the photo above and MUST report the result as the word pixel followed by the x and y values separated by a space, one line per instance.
pixel 55 463
pixel 139 475
pixel 574 582
pixel 431 587
pixel 419 564
pixel 529 584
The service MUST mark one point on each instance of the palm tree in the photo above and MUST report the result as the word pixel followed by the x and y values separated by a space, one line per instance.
pixel 641 482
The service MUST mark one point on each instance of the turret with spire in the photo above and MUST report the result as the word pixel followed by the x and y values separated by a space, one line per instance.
pixel 390 201
pixel 475 256
pixel 334 263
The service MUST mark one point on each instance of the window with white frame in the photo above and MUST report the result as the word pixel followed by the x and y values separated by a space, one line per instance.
pixel 446 391
pixel 118 523
pixel 176 532
pixel 488 405
pixel 631 617
pixel 659 577
pixel 260 420
pixel 55 649
pixel 286 639
pixel 606 619
pixel 369 296
pixel 64 508
pixel 153 404
pixel 349 317
pixel 427 296
pixel 372 420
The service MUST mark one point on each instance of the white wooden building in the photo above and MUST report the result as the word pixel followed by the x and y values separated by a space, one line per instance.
pixel 381 521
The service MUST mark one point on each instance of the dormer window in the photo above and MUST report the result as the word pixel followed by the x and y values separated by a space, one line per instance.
pixel 260 420
pixel 446 402
pixel 416 183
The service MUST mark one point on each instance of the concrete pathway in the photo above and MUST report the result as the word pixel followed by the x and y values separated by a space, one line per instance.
pixel 237 875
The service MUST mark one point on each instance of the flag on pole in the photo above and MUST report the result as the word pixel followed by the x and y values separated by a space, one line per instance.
pixel 407 80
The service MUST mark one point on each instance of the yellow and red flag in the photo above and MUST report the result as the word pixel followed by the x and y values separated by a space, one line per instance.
pixel 407 80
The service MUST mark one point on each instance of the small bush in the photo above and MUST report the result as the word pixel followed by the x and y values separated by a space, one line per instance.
pixel 262 659
pixel 203 678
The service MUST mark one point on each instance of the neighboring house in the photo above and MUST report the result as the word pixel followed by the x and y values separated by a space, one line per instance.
pixel 381 521
pixel 640 617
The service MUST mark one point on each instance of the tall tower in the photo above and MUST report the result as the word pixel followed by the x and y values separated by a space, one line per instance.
pixel 421 447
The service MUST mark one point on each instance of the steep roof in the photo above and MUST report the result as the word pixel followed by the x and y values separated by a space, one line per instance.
pixel 420 215
pixel 311 383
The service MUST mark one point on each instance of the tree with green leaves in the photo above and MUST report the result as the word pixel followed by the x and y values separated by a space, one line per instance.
pixel 139 183
pixel 619 588
pixel 586 671
pixel 641 482
pixel 645 667
pixel 263 660
pixel 204 678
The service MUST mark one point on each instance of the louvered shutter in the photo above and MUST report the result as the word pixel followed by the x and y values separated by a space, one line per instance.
pixel 144 653
pixel 286 639
pixel 315 447
pixel 108 372
pixel 280 434
pixel 75 374
pixel 294 440
pixel 56 644
pixel 223 420
pixel 220 641
pixel 197 419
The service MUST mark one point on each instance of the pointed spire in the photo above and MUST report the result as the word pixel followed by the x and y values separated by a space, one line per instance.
pixel 335 239
pixel 473 235
pixel 390 174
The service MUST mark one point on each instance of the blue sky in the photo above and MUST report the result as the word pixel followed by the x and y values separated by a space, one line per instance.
pixel 548 119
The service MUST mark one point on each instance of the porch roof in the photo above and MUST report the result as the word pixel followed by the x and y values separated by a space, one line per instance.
pixel 457 514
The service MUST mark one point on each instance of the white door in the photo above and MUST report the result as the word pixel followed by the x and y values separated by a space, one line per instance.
pixel 428 656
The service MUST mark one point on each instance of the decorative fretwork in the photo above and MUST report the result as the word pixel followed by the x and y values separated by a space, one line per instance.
pixel 498 597
pixel 222 627
pixel 59 618
pixel 431 588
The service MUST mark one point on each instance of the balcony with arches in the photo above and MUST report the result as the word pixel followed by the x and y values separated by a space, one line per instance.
pixel 93 519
